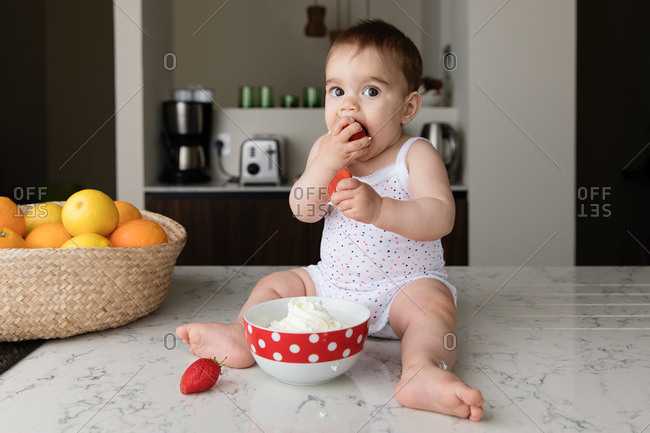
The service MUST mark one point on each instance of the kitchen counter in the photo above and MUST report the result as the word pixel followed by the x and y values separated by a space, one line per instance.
pixel 221 186
pixel 552 349
pixel 215 186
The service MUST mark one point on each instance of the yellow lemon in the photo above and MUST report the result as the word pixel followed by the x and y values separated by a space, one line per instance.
pixel 89 211
pixel 40 214
pixel 87 240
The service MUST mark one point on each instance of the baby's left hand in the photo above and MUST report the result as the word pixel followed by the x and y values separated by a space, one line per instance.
pixel 357 200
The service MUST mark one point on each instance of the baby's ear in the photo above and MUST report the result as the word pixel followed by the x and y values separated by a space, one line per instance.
pixel 412 107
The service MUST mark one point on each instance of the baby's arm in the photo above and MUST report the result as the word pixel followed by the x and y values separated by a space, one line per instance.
pixel 308 198
pixel 429 216
pixel 332 151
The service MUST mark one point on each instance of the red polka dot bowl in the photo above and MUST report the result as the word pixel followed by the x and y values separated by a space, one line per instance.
pixel 307 358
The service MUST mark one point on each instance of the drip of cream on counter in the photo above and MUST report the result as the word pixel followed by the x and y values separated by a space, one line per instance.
pixel 306 316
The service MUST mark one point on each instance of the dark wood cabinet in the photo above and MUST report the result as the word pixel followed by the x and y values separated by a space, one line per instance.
pixel 243 230
pixel 259 229
pixel 455 243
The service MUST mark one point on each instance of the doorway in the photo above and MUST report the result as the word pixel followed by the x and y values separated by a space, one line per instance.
pixel 613 133
pixel 57 129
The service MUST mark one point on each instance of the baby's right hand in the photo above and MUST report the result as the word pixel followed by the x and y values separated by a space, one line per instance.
pixel 335 150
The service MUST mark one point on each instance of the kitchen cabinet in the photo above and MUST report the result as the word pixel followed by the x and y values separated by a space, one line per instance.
pixel 455 243
pixel 258 228
pixel 243 229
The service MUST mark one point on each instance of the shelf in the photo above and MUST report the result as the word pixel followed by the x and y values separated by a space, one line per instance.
pixel 443 114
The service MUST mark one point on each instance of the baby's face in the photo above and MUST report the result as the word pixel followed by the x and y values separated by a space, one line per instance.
pixel 362 86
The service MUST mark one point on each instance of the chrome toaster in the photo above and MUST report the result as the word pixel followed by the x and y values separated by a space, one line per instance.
pixel 262 160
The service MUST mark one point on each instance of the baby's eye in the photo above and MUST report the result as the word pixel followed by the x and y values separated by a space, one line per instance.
pixel 371 91
pixel 336 91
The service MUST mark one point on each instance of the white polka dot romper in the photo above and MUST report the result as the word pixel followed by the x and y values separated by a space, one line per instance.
pixel 363 263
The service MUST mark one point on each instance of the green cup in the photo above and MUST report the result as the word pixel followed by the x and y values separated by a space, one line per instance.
pixel 289 101
pixel 246 97
pixel 311 97
pixel 266 97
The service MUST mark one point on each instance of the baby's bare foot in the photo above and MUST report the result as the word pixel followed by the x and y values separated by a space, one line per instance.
pixel 437 390
pixel 218 340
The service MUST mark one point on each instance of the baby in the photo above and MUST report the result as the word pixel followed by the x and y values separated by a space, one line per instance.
pixel 381 245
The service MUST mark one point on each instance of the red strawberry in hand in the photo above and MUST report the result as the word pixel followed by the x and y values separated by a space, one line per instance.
pixel 343 173
pixel 359 134
pixel 201 375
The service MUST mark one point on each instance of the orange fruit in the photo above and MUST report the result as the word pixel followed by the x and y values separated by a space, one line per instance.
pixel 138 233
pixel 11 216
pixel 48 235
pixel 127 212
pixel 10 239
pixel 87 240
pixel 89 211
pixel 41 213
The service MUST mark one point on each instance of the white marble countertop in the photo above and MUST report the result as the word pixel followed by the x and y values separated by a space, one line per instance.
pixel 552 350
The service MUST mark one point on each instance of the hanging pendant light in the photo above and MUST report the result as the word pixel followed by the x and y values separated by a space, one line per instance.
pixel 316 21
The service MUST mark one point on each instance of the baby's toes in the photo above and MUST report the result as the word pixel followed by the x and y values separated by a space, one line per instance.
pixel 182 333
pixel 474 400
pixel 180 330
pixel 471 396
pixel 475 413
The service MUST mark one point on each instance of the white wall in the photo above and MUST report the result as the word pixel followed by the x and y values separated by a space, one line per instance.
pixel 515 85
pixel 129 117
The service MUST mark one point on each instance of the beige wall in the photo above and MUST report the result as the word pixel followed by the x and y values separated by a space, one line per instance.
pixel 143 36
pixel 158 79
pixel 129 86
pixel 516 100
pixel 261 42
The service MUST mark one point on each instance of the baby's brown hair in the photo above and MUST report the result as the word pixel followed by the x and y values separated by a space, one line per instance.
pixel 391 43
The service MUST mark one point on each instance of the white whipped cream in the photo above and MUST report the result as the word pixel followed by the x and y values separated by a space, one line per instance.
pixel 306 316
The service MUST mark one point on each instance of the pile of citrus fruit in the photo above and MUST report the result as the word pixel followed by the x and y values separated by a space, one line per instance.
pixel 89 218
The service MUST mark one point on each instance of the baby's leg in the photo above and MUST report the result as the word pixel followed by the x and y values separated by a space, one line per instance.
pixel 220 340
pixel 423 315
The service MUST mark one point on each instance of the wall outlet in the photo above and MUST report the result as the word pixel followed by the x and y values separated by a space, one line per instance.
pixel 226 140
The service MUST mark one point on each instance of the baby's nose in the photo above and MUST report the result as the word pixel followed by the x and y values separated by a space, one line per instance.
pixel 348 106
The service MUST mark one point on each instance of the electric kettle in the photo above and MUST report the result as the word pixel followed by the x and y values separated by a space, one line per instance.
pixel 444 139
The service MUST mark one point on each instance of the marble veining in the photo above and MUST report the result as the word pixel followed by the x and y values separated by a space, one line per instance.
pixel 563 349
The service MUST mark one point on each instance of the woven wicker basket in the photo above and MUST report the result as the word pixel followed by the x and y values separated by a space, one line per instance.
pixel 55 293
